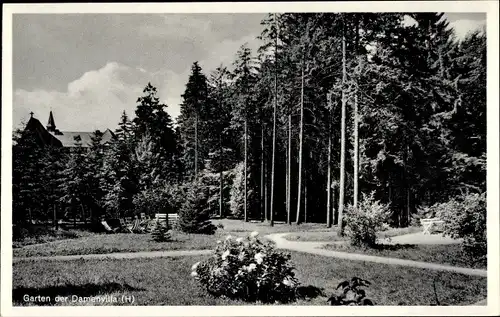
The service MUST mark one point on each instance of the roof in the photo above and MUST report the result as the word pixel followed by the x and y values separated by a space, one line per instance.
pixel 44 137
pixel 67 138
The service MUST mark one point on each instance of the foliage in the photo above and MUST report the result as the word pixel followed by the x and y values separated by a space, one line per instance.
pixel 249 270
pixel 152 200
pixel 161 233
pixel 362 223
pixel 351 293
pixel 193 216
pixel 465 217
pixel 237 193
pixel 421 96
pixel 154 124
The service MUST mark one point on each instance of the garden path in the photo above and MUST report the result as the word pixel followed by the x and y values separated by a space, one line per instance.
pixel 317 248
pixel 281 243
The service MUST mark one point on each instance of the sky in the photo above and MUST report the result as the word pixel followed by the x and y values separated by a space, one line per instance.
pixel 89 68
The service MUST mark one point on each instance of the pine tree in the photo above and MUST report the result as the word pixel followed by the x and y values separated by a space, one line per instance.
pixel 192 120
pixel 244 112
pixel 161 233
pixel 153 120
pixel 193 216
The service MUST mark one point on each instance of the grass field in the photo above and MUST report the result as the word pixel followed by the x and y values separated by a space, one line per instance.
pixel 87 243
pixel 450 254
pixel 166 281
pixel 323 234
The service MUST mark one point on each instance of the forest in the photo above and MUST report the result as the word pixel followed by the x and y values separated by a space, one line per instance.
pixel 331 108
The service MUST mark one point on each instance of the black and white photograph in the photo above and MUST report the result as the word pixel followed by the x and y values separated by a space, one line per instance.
pixel 275 157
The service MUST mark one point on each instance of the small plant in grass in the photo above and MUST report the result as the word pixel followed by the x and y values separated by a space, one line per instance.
pixel 193 216
pixel 363 223
pixel 351 293
pixel 161 233
pixel 249 270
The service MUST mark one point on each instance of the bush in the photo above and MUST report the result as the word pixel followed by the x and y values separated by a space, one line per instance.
pixel 249 270
pixel 193 216
pixel 351 293
pixel 237 194
pixel 161 233
pixel 156 199
pixel 465 217
pixel 362 223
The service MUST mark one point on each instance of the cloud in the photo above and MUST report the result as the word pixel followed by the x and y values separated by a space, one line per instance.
pixel 463 27
pixel 225 52
pixel 97 98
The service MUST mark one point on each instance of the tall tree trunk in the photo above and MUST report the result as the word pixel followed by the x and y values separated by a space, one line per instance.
pixel 246 169
pixel 196 147
pixel 262 180
pixel 334 214
pixel 342 135
pixel 266 193
pixel 83 214
pixel 301 137
pixel 356 127
pixel 356 150
pixel 305 196
pixel 408 213
pixel 289 172
pixel 221 178
pixel 329 183
pixel 55 218
pixel 274 118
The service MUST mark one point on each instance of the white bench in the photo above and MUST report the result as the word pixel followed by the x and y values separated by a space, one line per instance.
pixel 172 218
pixel 428 223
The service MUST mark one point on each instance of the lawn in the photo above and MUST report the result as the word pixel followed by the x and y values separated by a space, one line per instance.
pixel 324 234
pixel 450 254
pixel 119 242
pixel 128 242
pixel 166 281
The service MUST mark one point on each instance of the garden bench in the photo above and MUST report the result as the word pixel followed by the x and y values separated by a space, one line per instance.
pixel 172 218
pixel 428 223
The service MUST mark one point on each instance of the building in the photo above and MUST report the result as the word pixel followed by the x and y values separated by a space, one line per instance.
pixel 50 135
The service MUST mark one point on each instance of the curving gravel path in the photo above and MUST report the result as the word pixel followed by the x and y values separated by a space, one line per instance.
pixel 281 243
pixel 316 248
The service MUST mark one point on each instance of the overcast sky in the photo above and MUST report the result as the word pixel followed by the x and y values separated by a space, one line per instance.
pixel 88 68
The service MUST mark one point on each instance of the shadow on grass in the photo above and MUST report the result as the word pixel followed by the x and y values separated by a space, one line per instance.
pixel 309 292
pixel 394 247
pixel 90 289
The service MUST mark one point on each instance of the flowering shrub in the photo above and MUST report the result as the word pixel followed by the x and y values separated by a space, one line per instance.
pixel 249 270
pixel 363 222
pixel 465 217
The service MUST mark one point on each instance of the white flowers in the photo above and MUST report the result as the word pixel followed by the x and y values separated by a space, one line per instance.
pixel 195 266
pixel 229 237
pixel 259 257
pixel 254 234
pixel 251 267
pixel 225 254
pixel 239 240
pixel 194 274
pixel 219 242
pixel 287 282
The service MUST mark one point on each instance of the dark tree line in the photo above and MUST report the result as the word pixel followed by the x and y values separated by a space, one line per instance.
pixel 329 107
